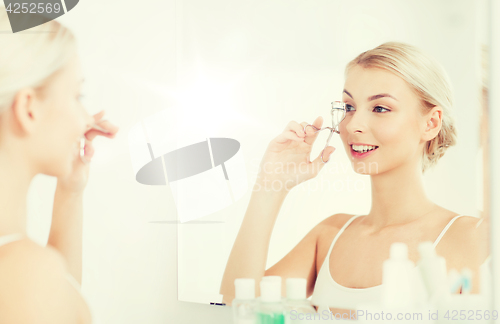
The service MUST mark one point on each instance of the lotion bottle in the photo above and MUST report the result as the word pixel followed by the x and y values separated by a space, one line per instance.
pixel 397 278
pixel 433 270
pixel 297 305
pixel 270 309
pixel 244 303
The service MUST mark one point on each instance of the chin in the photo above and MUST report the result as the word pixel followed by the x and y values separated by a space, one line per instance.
pixel 60 169
pixel 366 168
pixel 62 172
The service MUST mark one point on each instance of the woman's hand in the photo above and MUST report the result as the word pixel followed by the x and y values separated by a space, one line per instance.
pixel 286 159
pixel 76 181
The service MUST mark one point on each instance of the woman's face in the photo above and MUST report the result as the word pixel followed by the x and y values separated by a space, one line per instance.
pixel 382 111
pixel 63 121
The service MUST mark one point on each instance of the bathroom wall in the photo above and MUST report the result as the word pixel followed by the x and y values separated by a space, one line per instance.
pixel 267 63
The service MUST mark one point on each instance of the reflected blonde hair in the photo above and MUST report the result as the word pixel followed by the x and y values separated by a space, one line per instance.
pixel 429 81
pixel 30 58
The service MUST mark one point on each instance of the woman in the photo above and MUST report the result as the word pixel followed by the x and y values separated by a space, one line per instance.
pixel 398 103
pixel 41 124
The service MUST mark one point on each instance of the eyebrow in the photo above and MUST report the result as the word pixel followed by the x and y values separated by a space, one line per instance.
pixel 378 96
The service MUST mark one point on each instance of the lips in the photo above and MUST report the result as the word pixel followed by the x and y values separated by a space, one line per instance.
pixel 362 155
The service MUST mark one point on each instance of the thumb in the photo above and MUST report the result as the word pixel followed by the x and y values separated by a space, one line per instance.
pixel 318 162
pixel 327 152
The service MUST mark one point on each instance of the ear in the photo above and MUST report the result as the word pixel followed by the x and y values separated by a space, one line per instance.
pixel 24 111
pixel 433 121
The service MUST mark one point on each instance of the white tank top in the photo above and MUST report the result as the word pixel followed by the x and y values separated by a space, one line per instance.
pixel 328 293
pixel 17 236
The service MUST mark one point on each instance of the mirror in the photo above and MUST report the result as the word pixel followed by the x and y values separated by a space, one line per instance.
pixel 245 69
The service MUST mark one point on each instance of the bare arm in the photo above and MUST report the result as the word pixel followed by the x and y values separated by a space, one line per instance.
pixel 66 229
pixel 300 262
pixel 249 253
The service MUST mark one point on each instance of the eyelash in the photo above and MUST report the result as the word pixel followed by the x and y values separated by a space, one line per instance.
pixel 375 108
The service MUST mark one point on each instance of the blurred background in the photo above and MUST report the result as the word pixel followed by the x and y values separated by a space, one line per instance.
pixel 241 70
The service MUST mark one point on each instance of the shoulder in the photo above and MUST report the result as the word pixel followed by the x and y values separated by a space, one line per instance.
pixel 466 241
pixel 334 222
pixel 31 258
pixel 467 231
pixel 35 289
pixel 326 231
pixel 329 227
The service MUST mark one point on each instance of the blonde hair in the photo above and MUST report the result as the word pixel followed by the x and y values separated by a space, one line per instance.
pixel 429 81
pixel 30 58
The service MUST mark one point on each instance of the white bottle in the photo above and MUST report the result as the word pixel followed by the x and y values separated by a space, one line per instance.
pixel 397 287
pixel 270 308
pixel 297 306
pixel 433 270
pixel 244 303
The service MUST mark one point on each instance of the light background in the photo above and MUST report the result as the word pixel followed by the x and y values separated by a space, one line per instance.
pixel 244 69
pixel 280 61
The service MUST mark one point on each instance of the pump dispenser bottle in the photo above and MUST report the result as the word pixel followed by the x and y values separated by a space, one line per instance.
pixel 244 303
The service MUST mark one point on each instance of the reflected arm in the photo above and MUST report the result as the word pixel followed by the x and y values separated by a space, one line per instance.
pixel 249 254
pixel 66 229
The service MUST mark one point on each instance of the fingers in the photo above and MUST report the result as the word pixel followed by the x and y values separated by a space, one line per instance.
pixel 88 151
pixel 318 122
pixel 99 115
pixel 287 136
pixel 296 128
pixel 109 130
pixel 319 164
pixel 327 152
pixel 108 126
pixel 311 132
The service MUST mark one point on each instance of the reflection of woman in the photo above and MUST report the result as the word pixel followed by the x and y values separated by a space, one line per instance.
pixel 398 101
pixel 41 123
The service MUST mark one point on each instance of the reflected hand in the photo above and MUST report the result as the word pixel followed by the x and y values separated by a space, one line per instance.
pixel 287 158
pixel 78 178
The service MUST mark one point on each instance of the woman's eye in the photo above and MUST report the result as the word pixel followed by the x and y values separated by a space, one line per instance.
pixel 381 108
pixel 349 108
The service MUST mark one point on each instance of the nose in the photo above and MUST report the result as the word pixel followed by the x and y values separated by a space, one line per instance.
pixel 355 122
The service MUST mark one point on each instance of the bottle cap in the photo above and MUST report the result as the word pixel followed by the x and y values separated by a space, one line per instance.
pixel 244 288
pixel 426 249
pixel 270 291
pixel 272 278
pixel 399 251
pixel 296 288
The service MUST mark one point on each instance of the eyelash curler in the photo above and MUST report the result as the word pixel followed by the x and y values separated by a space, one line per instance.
pixel 338 113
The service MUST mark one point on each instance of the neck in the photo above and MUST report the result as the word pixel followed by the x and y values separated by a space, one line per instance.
pixel 398 197
pixel 15 177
